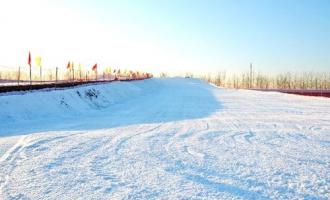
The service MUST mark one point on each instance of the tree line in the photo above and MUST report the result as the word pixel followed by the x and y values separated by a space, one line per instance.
pixel 258 80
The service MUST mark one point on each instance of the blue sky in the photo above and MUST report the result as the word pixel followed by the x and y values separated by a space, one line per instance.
pixel 195 35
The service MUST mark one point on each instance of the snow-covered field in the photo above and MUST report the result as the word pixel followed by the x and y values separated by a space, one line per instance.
pixel 163 139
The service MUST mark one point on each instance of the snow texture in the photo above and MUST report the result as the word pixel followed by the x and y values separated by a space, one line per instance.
pixel 163 139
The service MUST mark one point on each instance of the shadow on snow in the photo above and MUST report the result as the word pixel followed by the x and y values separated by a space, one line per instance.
pixel 176 99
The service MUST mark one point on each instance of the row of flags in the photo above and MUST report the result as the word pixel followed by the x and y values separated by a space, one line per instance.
pixel 37 60
pixel 70 66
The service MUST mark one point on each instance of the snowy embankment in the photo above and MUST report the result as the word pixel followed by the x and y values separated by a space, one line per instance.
pixel 42 109
pixel 163 139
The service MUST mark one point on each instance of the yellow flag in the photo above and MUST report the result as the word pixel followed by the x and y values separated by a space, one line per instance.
pixel 37 61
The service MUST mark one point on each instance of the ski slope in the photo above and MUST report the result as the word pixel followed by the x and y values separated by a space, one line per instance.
pixel 163 139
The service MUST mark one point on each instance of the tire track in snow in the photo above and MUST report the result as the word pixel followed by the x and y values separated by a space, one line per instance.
pixel 110 153
pixel 8 162
pixel 12 152
pixel 122 142
pixel 15 155
pixel 183 168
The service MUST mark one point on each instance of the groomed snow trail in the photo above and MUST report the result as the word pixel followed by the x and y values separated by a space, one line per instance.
pixel 166 139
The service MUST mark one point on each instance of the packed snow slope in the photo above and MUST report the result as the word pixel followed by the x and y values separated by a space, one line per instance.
pixel 163 139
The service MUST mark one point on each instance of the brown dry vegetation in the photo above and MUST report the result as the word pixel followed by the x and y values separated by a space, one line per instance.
pixel 288 80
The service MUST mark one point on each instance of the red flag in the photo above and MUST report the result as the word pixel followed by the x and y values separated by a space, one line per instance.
pixel 29 59
pixel 69 65
pixel 94 68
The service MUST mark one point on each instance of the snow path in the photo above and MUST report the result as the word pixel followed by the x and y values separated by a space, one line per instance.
pixel 179 139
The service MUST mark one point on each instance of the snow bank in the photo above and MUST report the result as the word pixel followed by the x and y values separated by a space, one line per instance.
pixel 119 102
pixel 55 104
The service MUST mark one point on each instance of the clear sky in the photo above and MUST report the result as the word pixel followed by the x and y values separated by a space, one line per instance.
pixel 168 35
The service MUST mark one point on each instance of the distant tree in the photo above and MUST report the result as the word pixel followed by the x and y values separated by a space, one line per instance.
pixel 163 75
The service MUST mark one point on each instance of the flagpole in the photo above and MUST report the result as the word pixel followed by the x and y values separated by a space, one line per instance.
pixel 29 62
pixel 40 75
pixel 19 75
pixel 56 74
pixel 95 71
pixel 30 76
pixel 94 68
pixel 73 71
pixel 69 75
pixel 80 74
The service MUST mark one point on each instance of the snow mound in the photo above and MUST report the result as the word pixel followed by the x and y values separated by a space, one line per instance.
pixel 64 103
pixel 49 110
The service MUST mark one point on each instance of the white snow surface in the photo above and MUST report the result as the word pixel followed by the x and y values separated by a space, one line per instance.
pixel 163 139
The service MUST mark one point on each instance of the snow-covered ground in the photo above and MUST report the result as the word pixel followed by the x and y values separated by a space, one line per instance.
pixel 163 139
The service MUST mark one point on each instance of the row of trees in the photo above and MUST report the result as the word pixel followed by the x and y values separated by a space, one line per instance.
pixel 288 80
